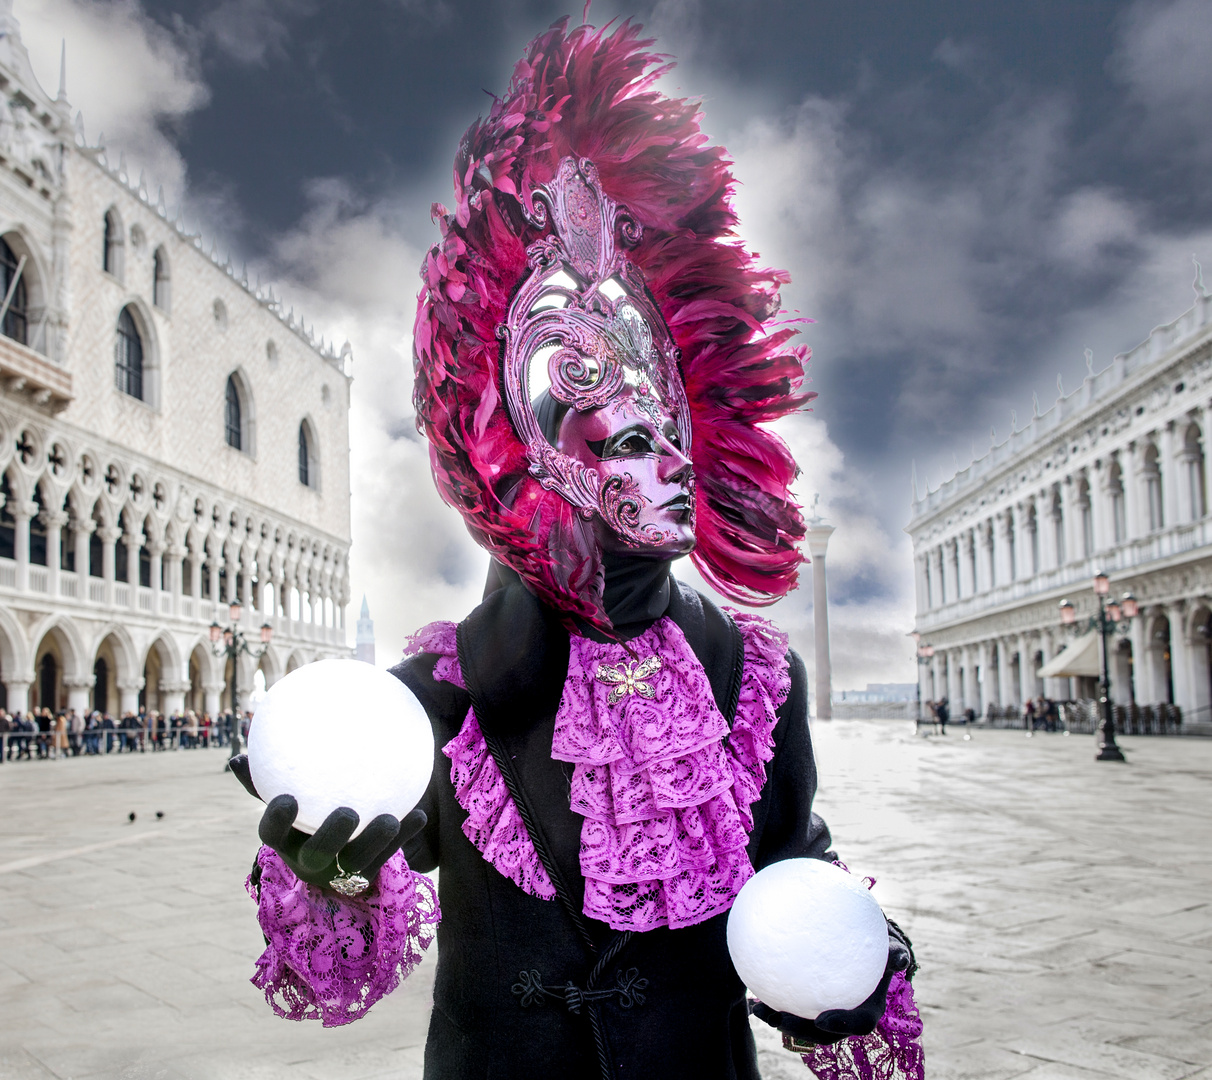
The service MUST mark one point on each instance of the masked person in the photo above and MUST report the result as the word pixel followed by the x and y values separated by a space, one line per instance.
pixel 596 356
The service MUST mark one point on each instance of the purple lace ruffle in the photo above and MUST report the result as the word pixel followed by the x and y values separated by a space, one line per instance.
pixel 665 789
pixel 893 1051
pixel 331 959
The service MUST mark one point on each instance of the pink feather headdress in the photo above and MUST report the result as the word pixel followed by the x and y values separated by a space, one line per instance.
pixel 587 95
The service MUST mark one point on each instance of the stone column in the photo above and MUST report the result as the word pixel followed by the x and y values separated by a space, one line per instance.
pixel 818 540
pixel 1006 691
pixel 955 687
pixel 1180 656
pixel 212 698
pixel 1171 482
pixel 172 694
pixel 1102 525
pixel 1130 466
pixel 155 551
pixel 82 529
pixel 967 574
pixel 54 520
pixel 984 556
pixel 175 554
pixel 18 695
pixel 1002 554
pixel 214 557
pixel 1046 527
pixel 22 512
pixel 1026 669
pixel 1074 541
pixel 128 694
pixel 935 557
pixel 77 693
pixel 109 537
pixel 1142 661
pixel 986 689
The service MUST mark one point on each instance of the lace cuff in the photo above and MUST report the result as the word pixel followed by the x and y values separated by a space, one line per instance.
pixel 331 959
pixel 893 1051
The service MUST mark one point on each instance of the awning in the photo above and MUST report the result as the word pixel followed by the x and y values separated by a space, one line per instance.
pixel 1079 658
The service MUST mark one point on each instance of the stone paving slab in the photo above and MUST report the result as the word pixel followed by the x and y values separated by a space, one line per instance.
pixel 1061 910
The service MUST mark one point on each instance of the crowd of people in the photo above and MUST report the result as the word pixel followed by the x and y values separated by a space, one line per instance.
pixel 43 735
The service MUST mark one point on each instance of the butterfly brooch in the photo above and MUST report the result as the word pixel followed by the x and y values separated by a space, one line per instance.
pixel 626 679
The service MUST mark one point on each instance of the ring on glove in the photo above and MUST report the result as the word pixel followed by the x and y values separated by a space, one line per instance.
pixel 348 884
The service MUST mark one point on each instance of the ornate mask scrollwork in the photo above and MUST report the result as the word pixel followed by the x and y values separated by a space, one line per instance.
pixel 585 313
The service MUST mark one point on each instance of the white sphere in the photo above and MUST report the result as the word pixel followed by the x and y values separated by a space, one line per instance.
pixel 805 937
pixel 341 733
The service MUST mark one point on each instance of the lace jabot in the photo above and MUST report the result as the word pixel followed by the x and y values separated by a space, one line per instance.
pixel 893 1051
pixel 330 960
pixel 664 786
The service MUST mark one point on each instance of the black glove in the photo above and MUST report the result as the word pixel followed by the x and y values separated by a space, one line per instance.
pixel 833 1025
pixel 314 858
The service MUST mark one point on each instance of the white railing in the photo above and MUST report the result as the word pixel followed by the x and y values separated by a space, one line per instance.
pixel 121 594
pixel 96 590
pixel 187 607
pixel 69 585
pixel 145 599
pixel 8 573
pixel 39 579
pixel 166 604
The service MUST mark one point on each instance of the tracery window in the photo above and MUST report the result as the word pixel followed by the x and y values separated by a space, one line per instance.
pixel 232 415
pixel 304 457
pixel 128 356
pixel 16 318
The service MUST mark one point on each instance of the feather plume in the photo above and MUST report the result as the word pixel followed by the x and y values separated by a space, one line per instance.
pixel 589 93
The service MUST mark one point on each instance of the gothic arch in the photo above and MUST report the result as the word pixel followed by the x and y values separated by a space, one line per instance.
pixel 247 419
pixel 15 659
pixel 169 654
pixel 150 341
pixel 123 649
pixel 67 637
pixel 34 276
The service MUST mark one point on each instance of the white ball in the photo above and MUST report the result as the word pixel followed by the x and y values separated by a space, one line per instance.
pixel 341 733
pixel 805 937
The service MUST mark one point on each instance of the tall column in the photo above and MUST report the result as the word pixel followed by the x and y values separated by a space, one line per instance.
pixel 1026 672
pixel 1102 524
pixel 818 540
pixel 986 683
pixel 128 694
pixel 77 693
pixel 175 554
pixel 155 551
pixel 967 575
pixel 109 537
pixel 213 559
pixel 937 595
pixel 54 520
pixel 1006 692
pixel 1142 666
pixel 82 529
pixel 1002 552
pixel 212 698
pixel 921 602
pixel 22 512
pixel 1130 467
pixel 1171 481
pixel 1180 656
pixel 1072 520
pixel 955 687
pixel 172 694
pixel 17 691
pixel 1046 528
pixel 984 556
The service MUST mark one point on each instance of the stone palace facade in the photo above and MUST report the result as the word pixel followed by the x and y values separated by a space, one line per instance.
pixel 170 439
pixel 1113 477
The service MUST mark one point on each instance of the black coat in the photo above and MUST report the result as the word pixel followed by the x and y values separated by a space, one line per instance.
pixel 692 1022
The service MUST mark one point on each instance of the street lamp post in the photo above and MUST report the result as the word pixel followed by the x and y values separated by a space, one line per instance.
pixel 1112 617
pixel 925 653
pixel 230 642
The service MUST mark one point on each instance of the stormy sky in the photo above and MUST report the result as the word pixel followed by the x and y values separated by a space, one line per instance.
pixel 967 194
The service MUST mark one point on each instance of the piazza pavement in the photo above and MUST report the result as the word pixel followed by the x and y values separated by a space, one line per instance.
pixel 1061 910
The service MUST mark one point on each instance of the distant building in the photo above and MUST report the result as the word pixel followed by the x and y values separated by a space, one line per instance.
pixel 365 649
pixel 879 693
pixel 1112 477
pixel 171 439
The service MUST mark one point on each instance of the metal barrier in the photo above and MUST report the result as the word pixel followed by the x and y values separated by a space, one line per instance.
pixel 34 745
pixel 1082 718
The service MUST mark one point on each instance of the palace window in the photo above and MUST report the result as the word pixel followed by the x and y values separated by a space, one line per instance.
pixel 128 356
pixel 16 317
pixel 232 415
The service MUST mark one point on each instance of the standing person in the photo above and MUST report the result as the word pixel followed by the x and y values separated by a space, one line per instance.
pixel 944 714
pixel 1029 712
pixel 615 756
